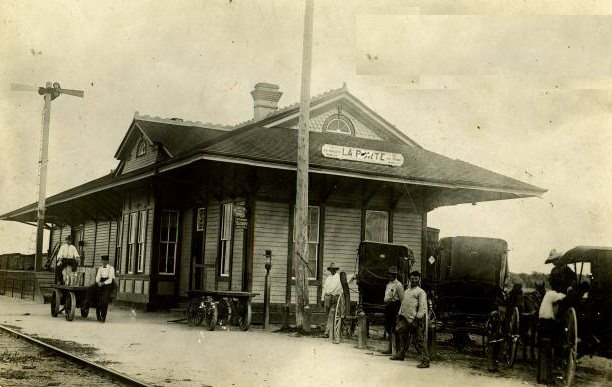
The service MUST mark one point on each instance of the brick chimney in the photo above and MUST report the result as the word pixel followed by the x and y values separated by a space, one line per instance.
pixel 265 99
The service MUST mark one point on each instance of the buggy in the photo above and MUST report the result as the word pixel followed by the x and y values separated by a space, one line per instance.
pixel 586 313
pixel 467 290
pixel 373 262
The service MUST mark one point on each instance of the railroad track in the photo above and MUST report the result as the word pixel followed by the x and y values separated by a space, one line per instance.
pixel 96 368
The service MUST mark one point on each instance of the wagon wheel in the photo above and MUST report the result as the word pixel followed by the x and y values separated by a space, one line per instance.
pixel 195 313
pixel 211 314
pixel 55 303
pixel 70 306
pixel 339 317
pixel 244 319
pixel 512 337
pixel 570 347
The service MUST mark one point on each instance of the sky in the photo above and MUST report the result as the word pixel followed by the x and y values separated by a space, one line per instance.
pixel 520 88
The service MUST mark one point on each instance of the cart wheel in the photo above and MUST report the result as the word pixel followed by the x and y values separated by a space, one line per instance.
pixel 70 306
pixel 570 347
pixel 339 316
pixel 211 314
pixel 244 320
pixel 55 303
pixel 195 312
pixel 85 311
pixel 512 337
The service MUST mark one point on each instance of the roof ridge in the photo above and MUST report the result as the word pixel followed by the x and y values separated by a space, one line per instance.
pixel 283 109
pixel 180 122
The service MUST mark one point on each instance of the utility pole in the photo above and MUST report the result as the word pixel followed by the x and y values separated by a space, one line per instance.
pixel 300 235
pixel 49 92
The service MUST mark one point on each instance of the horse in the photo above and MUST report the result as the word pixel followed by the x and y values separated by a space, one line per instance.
pixel 529 319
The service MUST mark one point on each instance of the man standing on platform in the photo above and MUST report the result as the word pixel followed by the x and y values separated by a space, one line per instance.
pixel 332 288
pixel 104 279
pixel 411 320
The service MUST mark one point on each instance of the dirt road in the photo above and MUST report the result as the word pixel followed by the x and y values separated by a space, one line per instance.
pixel 148 347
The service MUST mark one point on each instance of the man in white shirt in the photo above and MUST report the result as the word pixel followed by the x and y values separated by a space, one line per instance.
pixel 66 262
pixel 548 329
pixel 104 280
pixel 332 288
pixel 394 294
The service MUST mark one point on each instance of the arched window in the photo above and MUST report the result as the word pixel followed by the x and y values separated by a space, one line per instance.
pixel 141 149
pixel 338 123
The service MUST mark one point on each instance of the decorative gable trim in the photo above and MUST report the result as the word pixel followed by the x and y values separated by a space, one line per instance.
pixel 357 109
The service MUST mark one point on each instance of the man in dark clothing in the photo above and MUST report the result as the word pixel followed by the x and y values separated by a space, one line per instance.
pixel 104 280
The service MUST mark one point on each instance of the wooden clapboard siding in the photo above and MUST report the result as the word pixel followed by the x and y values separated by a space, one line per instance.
pixel 237 258
pixel 312 294
pixel 133 162
pixel 342 237
pixel 407 230
pixel 271 229
pixel 187 216
pixel 379 201
pixel 212 243
pixel 409 203
pixel 345 198
pixel 89 239
pixel 102 239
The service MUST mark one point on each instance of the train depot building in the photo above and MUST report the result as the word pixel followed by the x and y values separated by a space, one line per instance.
pixel 195 206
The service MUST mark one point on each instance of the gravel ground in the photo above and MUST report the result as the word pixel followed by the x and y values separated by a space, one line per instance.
pixel 25 364
pixel 148 347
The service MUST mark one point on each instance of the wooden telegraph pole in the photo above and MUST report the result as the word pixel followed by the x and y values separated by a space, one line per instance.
pixel 300 235
pixel 49 92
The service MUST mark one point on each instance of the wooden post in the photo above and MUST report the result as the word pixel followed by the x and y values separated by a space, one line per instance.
pixel 300 235
pixel 361 330
pixel 42 181
pixel 267 290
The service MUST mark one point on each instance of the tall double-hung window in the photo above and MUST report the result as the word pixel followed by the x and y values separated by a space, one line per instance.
pixel 118 243
pixel 137 229
pixel 168 241
pixel 225 242
pixel 377 226
pixel 313 241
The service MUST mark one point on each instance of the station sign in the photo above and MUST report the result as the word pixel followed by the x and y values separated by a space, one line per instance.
pixel 363 155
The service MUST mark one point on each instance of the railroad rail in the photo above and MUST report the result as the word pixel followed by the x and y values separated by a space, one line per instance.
pixel 114 375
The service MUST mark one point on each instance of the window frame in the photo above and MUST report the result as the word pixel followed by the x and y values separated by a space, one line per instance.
pixel 119 245
pixel 226 238
pixel 339 117
pixel 141 147
pixel 167 242
pixel 311 243
pixel 141 241
pixel 386 230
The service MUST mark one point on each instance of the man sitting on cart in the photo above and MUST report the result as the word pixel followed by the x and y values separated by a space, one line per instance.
pixel 394 294
pixel 66 263
pixel 411 321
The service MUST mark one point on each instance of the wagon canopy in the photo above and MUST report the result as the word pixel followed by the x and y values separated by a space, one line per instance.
pixel 585 254
pixel 483 260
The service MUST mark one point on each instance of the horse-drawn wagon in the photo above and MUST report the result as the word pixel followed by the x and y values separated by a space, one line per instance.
pixel 585 315
pixel 467 291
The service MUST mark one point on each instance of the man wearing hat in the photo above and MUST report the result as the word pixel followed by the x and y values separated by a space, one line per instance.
pixel 332 288
pixel 394 294
pixel 66 261
pixel 563 275
pixel 104 281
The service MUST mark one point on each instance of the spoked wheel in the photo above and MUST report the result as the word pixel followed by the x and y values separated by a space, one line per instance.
pixel 244 319
pixel 195 312
pixel 70 306
pixel 211 314
pixel 570 347
pixel 512 338
pixel 55 302
pixel 339 317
